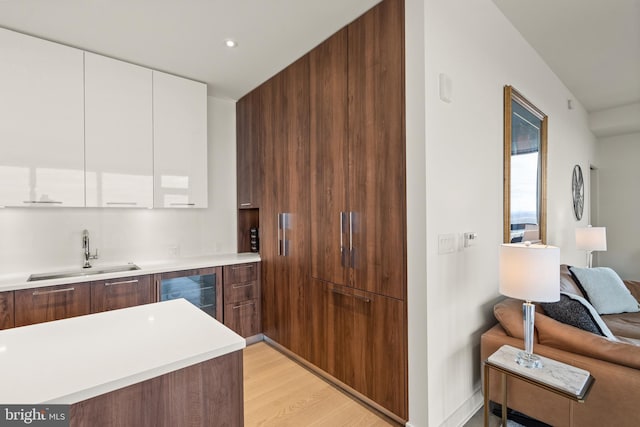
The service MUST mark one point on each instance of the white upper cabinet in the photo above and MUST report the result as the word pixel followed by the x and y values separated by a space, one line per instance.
pixel 41 123
pixel 118 133
pixel 180 142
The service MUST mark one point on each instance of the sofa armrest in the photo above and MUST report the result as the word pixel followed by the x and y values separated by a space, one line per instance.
pixel 634 288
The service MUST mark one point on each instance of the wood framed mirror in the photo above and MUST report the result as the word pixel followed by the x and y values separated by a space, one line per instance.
pixel 525 170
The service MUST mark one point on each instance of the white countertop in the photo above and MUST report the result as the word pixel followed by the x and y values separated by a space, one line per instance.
pixel 19 280
pixel 70 360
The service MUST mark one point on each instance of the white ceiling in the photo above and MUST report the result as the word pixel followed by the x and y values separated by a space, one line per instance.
pixel 186 37
pixel 593 46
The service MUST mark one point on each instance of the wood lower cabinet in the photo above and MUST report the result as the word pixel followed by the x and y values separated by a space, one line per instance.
pixel 51 303
pixel 6 310
pixel 242 307
pixel 364 344
pixel 121 293
pixel 340 333
pixel 243 317
pixel 380 350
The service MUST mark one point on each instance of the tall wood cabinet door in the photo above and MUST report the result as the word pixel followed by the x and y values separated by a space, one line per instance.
pixel 6 310
pixel 285 205
pixel 380 350
pixel 271 265
pixel 294 122
pixel 248 157
pixel 41 123
pixel 377 149
pixel 328 142
pixel 270 214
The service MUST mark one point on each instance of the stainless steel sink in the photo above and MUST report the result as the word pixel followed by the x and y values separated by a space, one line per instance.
pixel 82 272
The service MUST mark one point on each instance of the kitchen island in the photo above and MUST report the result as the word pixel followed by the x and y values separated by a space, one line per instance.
pixel 161 364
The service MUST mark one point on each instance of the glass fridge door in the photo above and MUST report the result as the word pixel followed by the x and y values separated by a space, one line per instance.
pixel 200 290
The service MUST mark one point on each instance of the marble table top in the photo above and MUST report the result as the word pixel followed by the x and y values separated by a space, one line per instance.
pixel 558 375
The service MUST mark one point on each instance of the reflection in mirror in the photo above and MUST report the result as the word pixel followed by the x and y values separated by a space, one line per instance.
pixel 525 165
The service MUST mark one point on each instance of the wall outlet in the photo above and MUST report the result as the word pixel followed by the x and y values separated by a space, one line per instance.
pixel 470 239
pixel 174 251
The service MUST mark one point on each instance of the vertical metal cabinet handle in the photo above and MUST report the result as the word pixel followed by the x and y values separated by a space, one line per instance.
pixel 279 237
pixel 343 252
pixel 341 241
pixel 352 262
pixel 285 224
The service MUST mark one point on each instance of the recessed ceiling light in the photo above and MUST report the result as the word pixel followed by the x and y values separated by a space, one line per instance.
pixel 230 43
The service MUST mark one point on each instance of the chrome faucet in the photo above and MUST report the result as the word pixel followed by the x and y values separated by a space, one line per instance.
pixel 87 250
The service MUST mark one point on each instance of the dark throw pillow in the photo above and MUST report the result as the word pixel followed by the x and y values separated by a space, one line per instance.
pixel 575 311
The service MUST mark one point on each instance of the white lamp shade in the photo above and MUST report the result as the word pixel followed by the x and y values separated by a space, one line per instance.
pixel 530 272
pixel 591 238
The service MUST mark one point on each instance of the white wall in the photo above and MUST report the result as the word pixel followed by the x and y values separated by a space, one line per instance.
pixel 619 203
pixel 45 239
pixel 476 46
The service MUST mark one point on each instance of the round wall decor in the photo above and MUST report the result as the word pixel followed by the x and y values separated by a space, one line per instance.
pixel 577 189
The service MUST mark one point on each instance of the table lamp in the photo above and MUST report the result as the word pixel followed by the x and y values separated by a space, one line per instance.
pixel 591 239
pixel 530 273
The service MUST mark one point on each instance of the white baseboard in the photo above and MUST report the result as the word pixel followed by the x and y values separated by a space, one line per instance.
pixel 465 411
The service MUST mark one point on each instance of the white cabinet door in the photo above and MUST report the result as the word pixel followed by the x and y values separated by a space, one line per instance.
pixel 179 142
pixel 118 133
pixel 41 123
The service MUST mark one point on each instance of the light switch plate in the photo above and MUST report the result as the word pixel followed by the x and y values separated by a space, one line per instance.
pixel 446 243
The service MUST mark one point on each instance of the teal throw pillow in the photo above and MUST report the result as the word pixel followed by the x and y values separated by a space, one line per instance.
pixel 605 290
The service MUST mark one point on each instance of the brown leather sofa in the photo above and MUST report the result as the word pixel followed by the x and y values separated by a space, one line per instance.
pixel 614 399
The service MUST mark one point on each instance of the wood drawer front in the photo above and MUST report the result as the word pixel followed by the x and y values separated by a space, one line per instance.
pixel 240 273
pixel 39 305
pixel 6 310
pixel 243 317
pixel 121 293
pixel 237 292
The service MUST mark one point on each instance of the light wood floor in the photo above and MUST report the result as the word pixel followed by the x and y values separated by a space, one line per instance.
pixel 280 392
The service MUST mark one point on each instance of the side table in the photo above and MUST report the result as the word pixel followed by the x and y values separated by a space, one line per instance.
pixel 559 378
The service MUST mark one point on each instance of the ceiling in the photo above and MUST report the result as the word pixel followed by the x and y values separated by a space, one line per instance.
pixel 593 46
pixel 186 37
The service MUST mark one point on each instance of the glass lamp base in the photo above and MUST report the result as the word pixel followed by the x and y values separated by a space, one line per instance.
pixel 529 360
